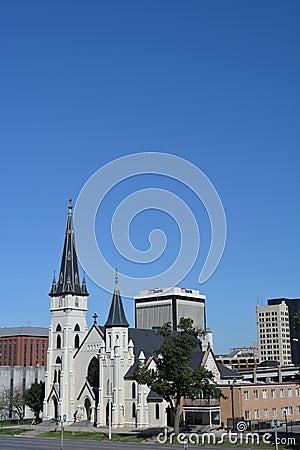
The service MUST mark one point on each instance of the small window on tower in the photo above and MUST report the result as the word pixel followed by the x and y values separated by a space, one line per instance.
pixel 76 341
pixel 76 302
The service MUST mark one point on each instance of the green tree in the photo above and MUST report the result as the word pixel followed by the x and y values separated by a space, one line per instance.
pixel 16 403
pixel 12 402
pixel 297 321
pixel 173 378
pixel 34 397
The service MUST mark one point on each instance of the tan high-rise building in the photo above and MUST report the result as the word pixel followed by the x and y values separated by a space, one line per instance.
pixel 273 330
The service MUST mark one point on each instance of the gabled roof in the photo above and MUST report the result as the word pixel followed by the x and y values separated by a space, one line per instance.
pixel 68 279
pixel 226 372
pixel 89 388
pixel 99 331
pixel 154 397
pixel 116 316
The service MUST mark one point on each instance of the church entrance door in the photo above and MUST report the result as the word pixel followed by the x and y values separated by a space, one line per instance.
pixel 87 405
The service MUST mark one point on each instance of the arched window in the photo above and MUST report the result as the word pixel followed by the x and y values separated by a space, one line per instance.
pixel 76 341
pixel 157 411
pixel 133 390
pixel 77 327
pixel 58 341
pixel 58 328
pixel 93 372
pixel 58 360
pixel 133 410
pixel 55 376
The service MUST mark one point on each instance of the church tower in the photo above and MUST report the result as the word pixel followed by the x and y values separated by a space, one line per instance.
pixel 67 330
pixel 116 337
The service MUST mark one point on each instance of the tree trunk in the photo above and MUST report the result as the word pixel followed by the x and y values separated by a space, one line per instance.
pixel 177 419
pixel 37 417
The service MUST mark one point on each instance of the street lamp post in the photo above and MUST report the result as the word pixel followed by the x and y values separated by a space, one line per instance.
pixel 275 425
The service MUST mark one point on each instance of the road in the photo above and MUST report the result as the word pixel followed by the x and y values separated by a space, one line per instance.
pixel 32 443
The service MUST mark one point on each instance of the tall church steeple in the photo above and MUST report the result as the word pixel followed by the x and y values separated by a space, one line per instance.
pixel 68 281
pixel 116 316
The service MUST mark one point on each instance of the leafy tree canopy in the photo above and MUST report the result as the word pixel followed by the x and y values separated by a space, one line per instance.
pixel 173 377
pixel 34 397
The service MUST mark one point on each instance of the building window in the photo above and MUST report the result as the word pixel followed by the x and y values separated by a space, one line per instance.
pixel 76 341
pixel 58 328
pixel 274 412
pixel 15 353
pixel 247 415
pixel 256 414
pixel 281 393
pixel 55 376
pixel 298 409
pixel 264 393
pixel 255 393
pixel 9 352
pixel 297 390
pixel 157 411
pixel 289 392
pixel 58 341
pixel 37 347
pixel 266 413
pixel 25 354
pixel 273 393
pixel 31 353
pixel 5 354
pixel 43 353
pixel 77 327
pixel 246 395
pixel 133 411
pixel 133 390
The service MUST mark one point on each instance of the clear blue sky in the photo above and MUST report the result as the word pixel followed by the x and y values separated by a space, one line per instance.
pixel 215 82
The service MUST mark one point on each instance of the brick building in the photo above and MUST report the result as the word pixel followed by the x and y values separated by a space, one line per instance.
pixel 23 346
pixel 255 402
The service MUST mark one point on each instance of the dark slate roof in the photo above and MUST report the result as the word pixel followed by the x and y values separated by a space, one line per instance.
pixel 148 340
pixel 196 359
pixel 24 331
pixel 154 397
pixel 226 372
pixel 68 279
pixel 116 315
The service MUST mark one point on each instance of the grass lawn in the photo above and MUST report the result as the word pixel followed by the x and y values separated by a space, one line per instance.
pixel 95 436
pixel 11 431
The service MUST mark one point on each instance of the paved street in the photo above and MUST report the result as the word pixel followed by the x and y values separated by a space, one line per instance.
pixel 29 443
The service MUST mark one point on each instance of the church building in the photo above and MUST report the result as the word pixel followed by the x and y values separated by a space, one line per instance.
pixel 89 374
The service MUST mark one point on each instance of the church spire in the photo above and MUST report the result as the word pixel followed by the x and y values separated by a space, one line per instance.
pixel 116 316
pixel 68 281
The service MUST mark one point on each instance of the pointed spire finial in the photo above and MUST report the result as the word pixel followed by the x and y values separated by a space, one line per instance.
pixel 53 287
pixel 70 206
pixel 116 315
pixel 117 280
pixel 69 279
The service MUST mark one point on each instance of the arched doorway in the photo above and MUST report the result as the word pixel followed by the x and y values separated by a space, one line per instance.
pixel 107 414
pixel 87 406
pixel 55 407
